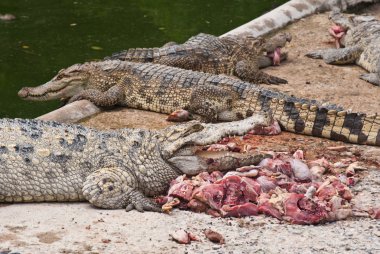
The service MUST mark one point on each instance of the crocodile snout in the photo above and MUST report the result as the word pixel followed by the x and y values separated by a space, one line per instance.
pixel 24 92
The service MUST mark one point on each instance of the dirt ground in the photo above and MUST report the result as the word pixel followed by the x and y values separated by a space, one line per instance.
pixel 81 228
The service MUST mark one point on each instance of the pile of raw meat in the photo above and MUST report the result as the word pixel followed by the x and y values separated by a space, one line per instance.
pixel 285 187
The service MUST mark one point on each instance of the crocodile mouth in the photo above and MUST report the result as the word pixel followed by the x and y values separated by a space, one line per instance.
pixel 338 32
pixel 275 55
pixel 27 93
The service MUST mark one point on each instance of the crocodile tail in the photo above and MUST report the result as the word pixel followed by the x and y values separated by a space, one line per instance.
pixel 331 123
pixel 142 55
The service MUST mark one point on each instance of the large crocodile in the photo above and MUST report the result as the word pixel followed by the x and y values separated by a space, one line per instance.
pixel 361 41
pixel 165 89
pixel 50 161
pixel 229 55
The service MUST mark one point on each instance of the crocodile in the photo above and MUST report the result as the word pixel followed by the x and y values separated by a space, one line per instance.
pixel 230 55
pixel 361 41
pixel 165 89
pixel 51 161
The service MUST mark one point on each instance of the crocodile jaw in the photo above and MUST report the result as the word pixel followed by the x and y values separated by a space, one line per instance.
pixel 56 89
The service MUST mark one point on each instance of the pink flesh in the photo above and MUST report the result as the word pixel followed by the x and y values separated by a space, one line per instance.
pixel 337 32
pixel 182 190
pixel 277 56
pixel 213 213
pixel 326 193
pixel 300 210
pixel 277 165
pixel 299 155
pixel 234 195
pixel 268 209
pixel 301 188
pixel 209 178
pixel 197 206
pixel 251 189
pixel 217 147
pixel 266 183
pixel 246 209
pixel 211 194
pixel 337 43
pixel 181 236
pixel 180 115
pixel 342 190
pixel 233 192
pixel 273 129
pixel 375 213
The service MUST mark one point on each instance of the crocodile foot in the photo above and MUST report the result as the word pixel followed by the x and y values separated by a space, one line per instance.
pixel 275 80
pixel 109 187
pixel 317 54
pixel 138 201
pixel 372 78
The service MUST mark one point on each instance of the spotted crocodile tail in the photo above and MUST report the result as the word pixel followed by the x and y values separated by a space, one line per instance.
pixel 336 125
pixel 310 118
pixel 142 55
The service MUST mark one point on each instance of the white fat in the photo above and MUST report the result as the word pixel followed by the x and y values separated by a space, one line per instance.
pixel 300 170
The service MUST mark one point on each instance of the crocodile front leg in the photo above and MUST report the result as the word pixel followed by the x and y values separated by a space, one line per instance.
pixel 111 97
pixel 337 56
pixel 266 61
pixel 208 101
pixel 181 61
pixel 251 73
pixel 114 188
pixel 373 78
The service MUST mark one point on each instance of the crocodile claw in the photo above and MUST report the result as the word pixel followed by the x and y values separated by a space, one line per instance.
pixel 372 78
pixel 141 203
pixel 76 97
pixel 276 80
pixel 315 54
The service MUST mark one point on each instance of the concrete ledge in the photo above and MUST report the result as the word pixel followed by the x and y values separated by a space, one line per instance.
pixel 72 112
pixel 290 12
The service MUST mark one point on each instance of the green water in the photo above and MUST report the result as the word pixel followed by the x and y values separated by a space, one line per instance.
pixel 50 35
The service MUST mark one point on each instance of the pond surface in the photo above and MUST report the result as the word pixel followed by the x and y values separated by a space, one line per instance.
pixel 50 35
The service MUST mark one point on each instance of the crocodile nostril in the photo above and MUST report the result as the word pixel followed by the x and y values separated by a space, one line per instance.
pixel 24 92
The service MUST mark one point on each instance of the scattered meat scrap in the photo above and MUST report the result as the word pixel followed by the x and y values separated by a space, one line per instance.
pixel 375 213
pixel 183 237
pixel 285 187
pixel 214 237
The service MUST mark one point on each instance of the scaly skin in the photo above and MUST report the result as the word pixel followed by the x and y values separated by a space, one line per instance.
pixel 230 55
pixel 49 161
pixel 361 42
pixel 166 89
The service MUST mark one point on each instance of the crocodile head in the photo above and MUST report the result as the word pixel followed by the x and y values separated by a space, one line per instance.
pixel 348 21
pixel 65 84
pixel 274 45
pixel 277 41
pixel 180 145
pixel 343 23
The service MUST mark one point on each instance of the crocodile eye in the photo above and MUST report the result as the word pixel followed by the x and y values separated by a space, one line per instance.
pixel 59 77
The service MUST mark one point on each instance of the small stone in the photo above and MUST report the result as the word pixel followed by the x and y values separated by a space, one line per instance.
pixel 106 240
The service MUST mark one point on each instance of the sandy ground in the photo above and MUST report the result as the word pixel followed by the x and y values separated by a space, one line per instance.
pixel 81 228
pixel 314 79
